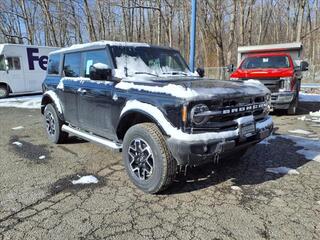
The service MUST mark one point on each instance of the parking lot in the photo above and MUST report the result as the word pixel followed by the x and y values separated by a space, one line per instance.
pixel 241 200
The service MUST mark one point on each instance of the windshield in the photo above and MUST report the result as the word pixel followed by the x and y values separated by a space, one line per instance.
pixel 2 63
pixel 266 62
pixel 148 60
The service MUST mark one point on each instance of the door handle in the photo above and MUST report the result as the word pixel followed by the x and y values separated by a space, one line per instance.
pixel 82 91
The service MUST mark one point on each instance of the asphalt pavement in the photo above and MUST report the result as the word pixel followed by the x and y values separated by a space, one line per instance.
pixel 230 200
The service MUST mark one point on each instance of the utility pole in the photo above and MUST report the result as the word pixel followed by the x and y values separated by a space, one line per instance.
pixel 193 30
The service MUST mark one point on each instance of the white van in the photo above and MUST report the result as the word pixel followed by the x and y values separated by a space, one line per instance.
pixel 22 68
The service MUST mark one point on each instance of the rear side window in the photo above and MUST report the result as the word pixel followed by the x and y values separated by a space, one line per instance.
pixel 53 64
pixel 14 63
pixel 92 57
pixel 71 66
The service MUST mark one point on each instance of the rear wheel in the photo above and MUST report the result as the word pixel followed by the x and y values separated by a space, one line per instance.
pixel 53 125
pixel 4 91
pixel 147 158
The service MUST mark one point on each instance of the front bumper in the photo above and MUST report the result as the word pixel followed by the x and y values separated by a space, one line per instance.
pixel 195 153
pixel 282 100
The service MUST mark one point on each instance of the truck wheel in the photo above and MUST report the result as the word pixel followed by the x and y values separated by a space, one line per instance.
pixel 4 91
pixel 293 107
pixel 53 125
pixel 147 159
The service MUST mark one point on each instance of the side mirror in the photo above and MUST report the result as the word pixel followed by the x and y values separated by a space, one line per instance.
pixel 201 72
pixel 304 66
pixel 100 71
pixel 230 68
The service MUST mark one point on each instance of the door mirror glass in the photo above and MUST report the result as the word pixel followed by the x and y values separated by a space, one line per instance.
pixel 230 68
pixel 304 66
pixel 100 71
pixel 201 72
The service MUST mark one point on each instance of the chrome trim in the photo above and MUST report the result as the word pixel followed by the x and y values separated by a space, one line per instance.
pixel 92 138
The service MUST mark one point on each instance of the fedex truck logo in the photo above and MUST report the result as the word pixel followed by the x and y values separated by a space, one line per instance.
pixel 33 57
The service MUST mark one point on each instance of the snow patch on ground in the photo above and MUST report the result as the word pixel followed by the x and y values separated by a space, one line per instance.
pixel 300 131
pixel 311 147
pixel 19 144
pixel 17 128
pixel 236 188
pixel 90 179
pixel 42 157
pixel 29 102
pixel 307 97
pixel 282 170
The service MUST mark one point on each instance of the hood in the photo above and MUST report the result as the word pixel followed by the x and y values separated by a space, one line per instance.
pixel 262 73
pixel 197 88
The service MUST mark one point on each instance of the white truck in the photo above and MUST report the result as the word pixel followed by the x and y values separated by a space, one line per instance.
pixel 22 68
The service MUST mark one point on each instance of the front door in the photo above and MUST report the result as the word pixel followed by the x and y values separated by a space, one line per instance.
pixel 95 97
pixel 69 87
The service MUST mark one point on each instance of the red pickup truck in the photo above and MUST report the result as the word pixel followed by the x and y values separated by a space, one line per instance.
pixel 278 67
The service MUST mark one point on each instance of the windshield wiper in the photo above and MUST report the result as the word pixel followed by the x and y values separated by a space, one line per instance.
pixel 147 73
pixel 176 73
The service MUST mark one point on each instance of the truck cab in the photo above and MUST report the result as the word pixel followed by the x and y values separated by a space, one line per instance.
pixel 278 67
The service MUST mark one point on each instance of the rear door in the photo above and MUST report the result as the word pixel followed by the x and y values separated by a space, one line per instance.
pixel 15 74
pixel 95 97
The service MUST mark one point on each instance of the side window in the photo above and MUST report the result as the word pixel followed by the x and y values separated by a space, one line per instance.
pixel 14 63
pixel 92 57
pixel 53 64
pixel 71 66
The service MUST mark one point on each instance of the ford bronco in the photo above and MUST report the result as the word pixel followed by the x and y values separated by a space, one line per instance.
pixel 145 102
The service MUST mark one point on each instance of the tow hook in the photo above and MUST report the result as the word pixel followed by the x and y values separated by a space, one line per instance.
pixel 218 152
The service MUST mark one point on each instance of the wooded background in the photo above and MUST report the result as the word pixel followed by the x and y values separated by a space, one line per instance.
pixel 222 25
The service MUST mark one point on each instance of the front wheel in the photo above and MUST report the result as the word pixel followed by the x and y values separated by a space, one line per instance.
pixel 147 159
pixel 4 91
pixel 293 107
pixel 53 125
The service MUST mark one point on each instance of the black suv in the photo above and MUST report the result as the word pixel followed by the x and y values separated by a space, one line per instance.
pixel 144 101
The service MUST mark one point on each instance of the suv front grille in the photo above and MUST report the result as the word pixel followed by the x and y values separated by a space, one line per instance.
pixel 232 109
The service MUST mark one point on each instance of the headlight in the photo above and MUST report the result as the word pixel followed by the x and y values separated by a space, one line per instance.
pixel 285 84
pixel 196 111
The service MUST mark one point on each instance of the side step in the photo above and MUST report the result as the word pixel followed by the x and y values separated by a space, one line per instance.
pixel 92 138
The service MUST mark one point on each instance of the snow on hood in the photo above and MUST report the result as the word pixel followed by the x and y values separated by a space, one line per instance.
pixel 191 88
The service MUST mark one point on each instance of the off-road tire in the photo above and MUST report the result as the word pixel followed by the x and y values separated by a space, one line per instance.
pixel 55 135
pixel 164 165
pixel 4 91
pixel 293 107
